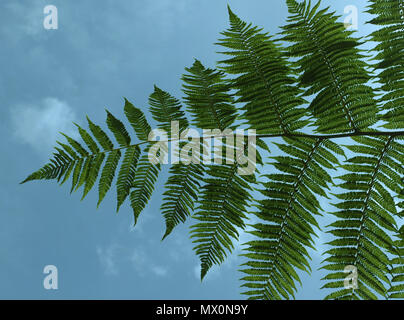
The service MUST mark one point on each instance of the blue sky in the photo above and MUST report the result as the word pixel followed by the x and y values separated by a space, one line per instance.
pixel 101 52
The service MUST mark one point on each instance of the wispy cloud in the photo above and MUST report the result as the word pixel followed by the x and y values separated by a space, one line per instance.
pixel 166 10
pixel 159 271
pixel 22 19
pixel 38 125
pixel 113 258
pixel 107 257
pixel 144 264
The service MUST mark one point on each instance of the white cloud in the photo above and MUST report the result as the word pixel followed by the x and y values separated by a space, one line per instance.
pixel 144 264
pixel 138 259
pixel 38 125
pixel 24 20
pixel 159 271
pixel 115 258
pixel 167 12
pixel 107 259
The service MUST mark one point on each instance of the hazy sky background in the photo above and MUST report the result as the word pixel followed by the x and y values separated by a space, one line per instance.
pixel 102 51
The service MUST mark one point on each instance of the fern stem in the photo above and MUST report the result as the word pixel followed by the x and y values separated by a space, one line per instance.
pixel 336 135
pixel 391 134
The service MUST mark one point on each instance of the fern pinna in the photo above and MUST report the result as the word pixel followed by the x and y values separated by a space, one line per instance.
pixel 390 55
pixel 314 91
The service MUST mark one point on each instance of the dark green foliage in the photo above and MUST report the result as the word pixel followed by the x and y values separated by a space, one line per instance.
pixel 260 85
pixel 86 165
pixel 224 196
pixel 183 183
pixel 207 98
pixel 221 211
pixel 264 82
pixel 143 186
pixel 365 217
pixel 288 224
pixel 165 109
pixel 396 289
pixel 390 57
pixel 330 66
pixel 182 191
pixel 128 173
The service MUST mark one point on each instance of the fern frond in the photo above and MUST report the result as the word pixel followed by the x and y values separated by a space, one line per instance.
pixel 182 191
pixel 91 144
pixel 138 121
pixel 165 109
pixel 55 169
pixel 224 197
pixel 263 79
pixel 207 98
pixel 366 217
pixel 396 290
pixel 118 129
pixel 390 47
pixel 221 211
pixel 143 186
pixel 127 175
pixel 268 83
pixel 288 218
pixel 330 66
pixel 100 135
pixel 85 164
pixel 107 175
pixel 183 183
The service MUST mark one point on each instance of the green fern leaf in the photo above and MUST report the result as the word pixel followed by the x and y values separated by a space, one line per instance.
pixel 207 97
pixel 100 135
pixel 138 121
pixel 118 129
pixel 390 57
pixel 107 175
pixel 126 175
pixel 330 66
pixel 221 212
pixel 143 186
pixel 182 186
pixel 366 216
pixel 287 214
pixel 165 109
pixel 264 80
